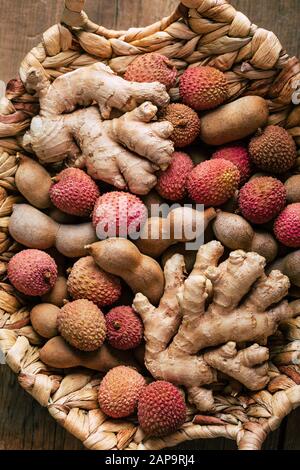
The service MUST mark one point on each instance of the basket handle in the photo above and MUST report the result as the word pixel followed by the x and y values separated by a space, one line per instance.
pixel 72 15
pixel 73 12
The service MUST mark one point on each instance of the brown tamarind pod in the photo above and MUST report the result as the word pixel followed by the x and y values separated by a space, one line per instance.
pixel 58 294
pixel 265 245
pixel 33 181
pixel 44 319
pixel 122 258
pixel 72 239
pixel 58 354
pixel 183 224
pixel 233 231
pixel 32 228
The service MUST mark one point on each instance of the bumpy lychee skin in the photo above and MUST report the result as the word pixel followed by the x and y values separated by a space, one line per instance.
pixel 287 226
pixel 203 88
pixel 161 409
pixel 261 199
pixel 171 183
pixel 119 392
pixel 74 192
pixel 273 150
pixel 119 214
pixel 88 281
pixel 152 67
pixel 186 123
pixel 32 272
pixel 124 328
pixel 239 156
pixel 213 182
pixel 82 324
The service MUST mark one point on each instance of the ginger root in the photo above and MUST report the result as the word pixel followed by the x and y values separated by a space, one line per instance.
pixel 216 307
pixel 124 152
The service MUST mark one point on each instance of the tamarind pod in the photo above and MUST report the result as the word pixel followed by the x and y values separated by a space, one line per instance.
pixel 32 228
pixel 58 354
pixel 122 258
pixel 33 182
pixel 58 294
pixel 183 224
pixel 72 239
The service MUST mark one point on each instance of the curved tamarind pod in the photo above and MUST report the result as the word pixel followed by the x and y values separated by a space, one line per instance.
pixel 33 229
pixel 183 224
pixel 58 354
pixel 122 258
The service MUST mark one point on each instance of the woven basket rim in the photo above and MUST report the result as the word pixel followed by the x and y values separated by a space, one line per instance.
pixel 74 16
pixel 255 62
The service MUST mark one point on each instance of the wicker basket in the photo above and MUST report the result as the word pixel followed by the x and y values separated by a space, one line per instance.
pixel 198 32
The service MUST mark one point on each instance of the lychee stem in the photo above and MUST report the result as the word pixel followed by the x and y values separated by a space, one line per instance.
pixel 47 277
pixel 117 325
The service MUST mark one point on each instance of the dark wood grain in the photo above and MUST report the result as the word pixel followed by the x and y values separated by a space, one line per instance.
pixel 23 423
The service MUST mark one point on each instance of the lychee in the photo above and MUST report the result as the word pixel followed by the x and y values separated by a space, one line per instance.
pixel 32 272
pixel 119 214
pixel 172 182
pixel 261 199
pixel 161 409
pixel 287 226
pixel 88 281
pixel 273 150
pixel 185 121
pixel 237 154
pixel 74 192
pixel 203 88
pixel 213 182
pixel 119 391
pixel 152 67
pixel 124 328
pixel 82 324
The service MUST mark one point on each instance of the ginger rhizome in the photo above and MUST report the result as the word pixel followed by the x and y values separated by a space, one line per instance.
pixel 125 151
pixel 217 320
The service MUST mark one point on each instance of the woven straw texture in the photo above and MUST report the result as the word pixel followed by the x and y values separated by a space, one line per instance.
pixel 209 32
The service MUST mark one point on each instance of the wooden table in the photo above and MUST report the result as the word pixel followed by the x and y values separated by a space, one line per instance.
pixel 23 423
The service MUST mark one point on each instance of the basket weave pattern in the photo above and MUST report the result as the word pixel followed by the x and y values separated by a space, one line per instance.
pixel 199 32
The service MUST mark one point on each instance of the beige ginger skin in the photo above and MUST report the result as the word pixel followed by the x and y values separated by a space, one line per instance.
pixel 216 307
pixel 126 151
